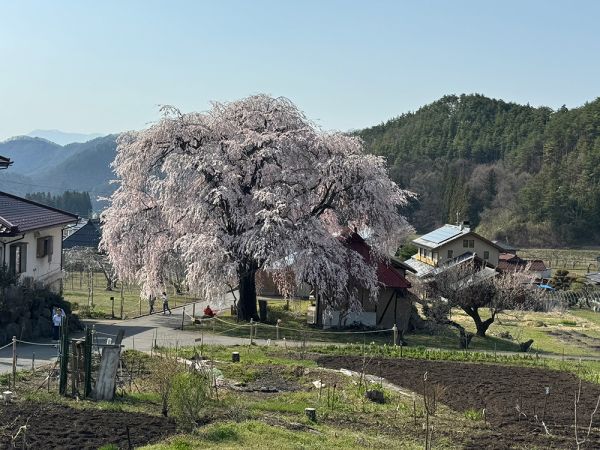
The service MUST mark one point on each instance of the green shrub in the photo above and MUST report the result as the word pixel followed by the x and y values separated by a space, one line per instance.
pixel 474 414
pixel 189 394
pixel 569 323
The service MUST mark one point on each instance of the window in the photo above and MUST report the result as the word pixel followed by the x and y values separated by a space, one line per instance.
pixel 18 258
pixel 450 254
pixel 44 247
pixel 471 243
pixel 465 243
pixel 486 255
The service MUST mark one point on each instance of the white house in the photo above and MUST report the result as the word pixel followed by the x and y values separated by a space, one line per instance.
pixel 31 239
pixel 451 244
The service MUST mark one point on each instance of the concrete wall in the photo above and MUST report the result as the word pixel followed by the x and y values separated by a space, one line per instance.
pixel 46 270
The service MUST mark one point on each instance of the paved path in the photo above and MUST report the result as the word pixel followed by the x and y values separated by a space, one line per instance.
pixel 139 334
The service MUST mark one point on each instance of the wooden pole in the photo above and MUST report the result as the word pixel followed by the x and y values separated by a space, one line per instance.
pixel 112 306
pixel 121 300
pixel 92 291
pixel 33 362
pixel 251 331
pixel 182 318
pixel 14 363
pixel 87 363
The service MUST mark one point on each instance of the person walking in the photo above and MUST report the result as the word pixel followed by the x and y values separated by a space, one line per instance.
pixel 165 300
pixel 57 319
pixel 151 301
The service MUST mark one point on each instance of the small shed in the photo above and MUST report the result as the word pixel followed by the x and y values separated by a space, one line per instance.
pixel 394 302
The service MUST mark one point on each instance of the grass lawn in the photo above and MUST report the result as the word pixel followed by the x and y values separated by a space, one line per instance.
pixel 77 291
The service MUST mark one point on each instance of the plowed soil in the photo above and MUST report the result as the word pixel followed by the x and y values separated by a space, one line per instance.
pixel 499 389
pixel 52 426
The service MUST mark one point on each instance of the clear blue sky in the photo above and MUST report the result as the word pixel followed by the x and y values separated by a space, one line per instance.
pixel 104 66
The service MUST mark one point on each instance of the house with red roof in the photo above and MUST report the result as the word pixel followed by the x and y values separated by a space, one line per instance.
pixel 393 304
pixel 31 240
pixel 510 262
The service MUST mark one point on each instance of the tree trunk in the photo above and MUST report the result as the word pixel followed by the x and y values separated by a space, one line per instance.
pixel 246 305
pixel 481 325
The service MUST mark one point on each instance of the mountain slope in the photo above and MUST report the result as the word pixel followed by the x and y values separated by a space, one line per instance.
pixel 32 154
pixel 88 169
pixel 523 173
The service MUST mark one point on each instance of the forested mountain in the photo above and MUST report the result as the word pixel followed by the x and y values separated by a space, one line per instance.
pixel 75 202
pixel 40 165
pixel 31 154
pixel 528 175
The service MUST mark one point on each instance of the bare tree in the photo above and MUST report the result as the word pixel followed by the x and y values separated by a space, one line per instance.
pixel 471 286
pixel 89 259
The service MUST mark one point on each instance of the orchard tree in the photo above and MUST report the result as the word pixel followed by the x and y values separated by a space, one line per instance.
pixel 472 288
pixel 248 185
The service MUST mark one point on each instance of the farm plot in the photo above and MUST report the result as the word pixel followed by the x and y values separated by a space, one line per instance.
pixel 55 426
pixel 514 398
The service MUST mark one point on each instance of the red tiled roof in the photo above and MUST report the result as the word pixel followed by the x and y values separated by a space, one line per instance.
pixel 387 275
pixel 510 262
pixel 18 215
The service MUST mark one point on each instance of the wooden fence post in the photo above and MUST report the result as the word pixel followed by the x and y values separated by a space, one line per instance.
pixel 182 318
pixel 87 363
pixel 14 363
pixel 251 331
pixel 121 300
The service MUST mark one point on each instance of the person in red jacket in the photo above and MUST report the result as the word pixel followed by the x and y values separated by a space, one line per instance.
pixel 208 312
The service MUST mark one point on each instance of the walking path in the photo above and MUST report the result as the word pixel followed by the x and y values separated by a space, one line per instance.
pixel 141 332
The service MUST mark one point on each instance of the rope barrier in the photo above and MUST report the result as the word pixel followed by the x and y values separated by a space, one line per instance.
pixel 105 334
pixel 6 346
pixel 36 343
pixel 299 330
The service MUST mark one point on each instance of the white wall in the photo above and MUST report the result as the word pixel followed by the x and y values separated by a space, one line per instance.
pixel 46 270
pixel 332 319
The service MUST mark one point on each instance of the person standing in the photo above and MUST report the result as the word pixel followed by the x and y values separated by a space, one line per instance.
pixel 165 300
pixel 57 319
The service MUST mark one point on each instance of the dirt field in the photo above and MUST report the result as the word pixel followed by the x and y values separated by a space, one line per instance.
pixel 52 426
pixel 498 389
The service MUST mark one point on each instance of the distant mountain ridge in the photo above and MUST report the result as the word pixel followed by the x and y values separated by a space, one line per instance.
pixel 44 166
pixel 62 137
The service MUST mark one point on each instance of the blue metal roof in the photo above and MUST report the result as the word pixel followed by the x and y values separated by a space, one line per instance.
pixel 441 235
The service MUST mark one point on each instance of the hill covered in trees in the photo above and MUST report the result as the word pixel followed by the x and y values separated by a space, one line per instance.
pixel 75 202
pixel 41 165
pixel 523 174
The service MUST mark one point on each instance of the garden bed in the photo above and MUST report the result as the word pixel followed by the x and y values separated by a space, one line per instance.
pixel 498 389
pixel 55 426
